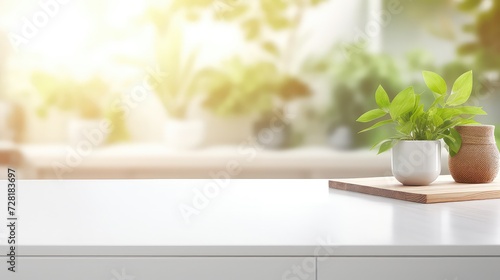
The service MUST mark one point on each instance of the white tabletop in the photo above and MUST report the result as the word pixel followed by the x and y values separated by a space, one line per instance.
pixel 246 218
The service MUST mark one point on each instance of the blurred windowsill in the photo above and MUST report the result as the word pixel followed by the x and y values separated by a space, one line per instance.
pixel 155 161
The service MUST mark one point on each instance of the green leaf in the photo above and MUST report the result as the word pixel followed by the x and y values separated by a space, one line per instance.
pixel 379 124
pixel 382 98
pixel 405 128
pixel 371 115
pixel 435 82
pixel 438 101
pixel 450 113
pixel 466 122
pixel 434 116
pixel 403 103
pixel 447 113
pixel 386 145
pixel 437 120
pixel 428 136
pixel 448 124
pixel 470 110
pixel 417 104
pixel 461 91
pixel 417 114
pixel 454 141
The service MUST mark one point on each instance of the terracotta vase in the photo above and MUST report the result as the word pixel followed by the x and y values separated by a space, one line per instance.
pixel 477 159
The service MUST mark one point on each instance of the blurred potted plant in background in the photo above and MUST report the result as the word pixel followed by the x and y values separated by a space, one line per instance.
pixel 177 90
pixel 261 23
pixel 274 129
pixel 353 79
pixel 84 101
pixel 236 92
pixel 240 90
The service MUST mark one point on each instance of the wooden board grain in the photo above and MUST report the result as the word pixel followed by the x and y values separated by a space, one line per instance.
pixel 444 189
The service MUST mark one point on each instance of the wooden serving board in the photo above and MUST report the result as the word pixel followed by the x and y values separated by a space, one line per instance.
pixel 444 189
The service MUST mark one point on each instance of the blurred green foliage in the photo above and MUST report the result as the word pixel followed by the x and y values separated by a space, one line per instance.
pixel 437 17
pixel 486 46
pixel 85 98
pixel 234 88
pixel 239 88
pixel 66 94
pixel 119 130
pixel 419 59
pixel 261 22
pixel 256 18
pixel 355 74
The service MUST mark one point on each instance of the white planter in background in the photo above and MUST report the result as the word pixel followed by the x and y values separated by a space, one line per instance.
pixel 184 134
pixel 88 132
pixel 416 163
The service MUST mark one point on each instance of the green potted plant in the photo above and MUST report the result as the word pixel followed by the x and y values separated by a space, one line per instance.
pixel 83 101
pixel 419 127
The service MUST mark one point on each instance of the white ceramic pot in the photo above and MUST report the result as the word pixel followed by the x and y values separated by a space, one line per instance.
pixel 184 134
pixel 416 163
